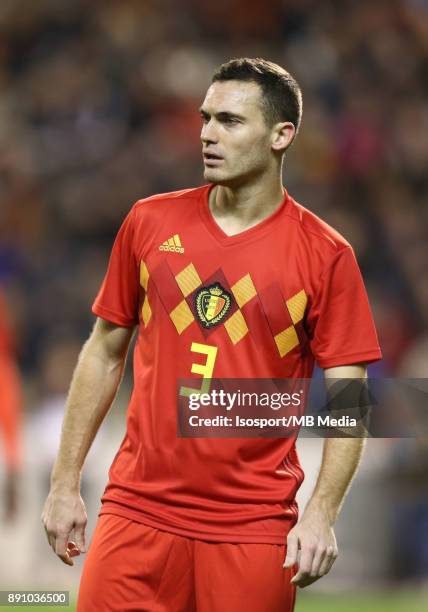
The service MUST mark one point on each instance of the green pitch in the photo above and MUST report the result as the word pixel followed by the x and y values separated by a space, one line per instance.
pixel 306 602
pixel 379 602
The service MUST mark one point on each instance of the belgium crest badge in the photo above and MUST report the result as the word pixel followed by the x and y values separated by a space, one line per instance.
pixel 212 304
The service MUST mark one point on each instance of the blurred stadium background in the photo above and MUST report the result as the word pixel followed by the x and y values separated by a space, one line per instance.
pixel 98 108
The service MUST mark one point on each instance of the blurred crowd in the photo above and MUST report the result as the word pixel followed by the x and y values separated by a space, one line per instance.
pixel 98 108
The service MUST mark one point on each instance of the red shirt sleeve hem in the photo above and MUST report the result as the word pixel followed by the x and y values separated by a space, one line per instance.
pixel 350 359
pixel 112 317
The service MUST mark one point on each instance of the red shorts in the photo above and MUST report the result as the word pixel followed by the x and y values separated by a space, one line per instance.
pixel 132 567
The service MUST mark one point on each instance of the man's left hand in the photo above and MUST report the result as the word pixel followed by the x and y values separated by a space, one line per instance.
pixel 312 545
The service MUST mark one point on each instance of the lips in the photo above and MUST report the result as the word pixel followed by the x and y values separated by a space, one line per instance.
pixel 211 159
pixel 209 156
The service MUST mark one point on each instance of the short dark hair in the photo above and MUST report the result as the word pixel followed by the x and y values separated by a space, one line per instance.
pixel 281 94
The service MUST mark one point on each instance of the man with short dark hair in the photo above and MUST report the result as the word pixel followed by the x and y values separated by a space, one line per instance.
pixel 281 98
pixel 231 280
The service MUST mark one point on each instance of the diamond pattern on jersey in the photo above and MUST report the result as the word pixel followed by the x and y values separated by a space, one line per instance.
pixel 146 311
pixel 297 305
pixel 181 316
pixel 167 287
pixel 236 327
pixel 244 290
pixel 188 280
pixel 272 302
pixel 263 314
pixel 286 340
pixel 283 318
pixel 171 297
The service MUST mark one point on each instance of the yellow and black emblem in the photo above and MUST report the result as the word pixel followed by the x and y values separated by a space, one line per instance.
pixel 212 304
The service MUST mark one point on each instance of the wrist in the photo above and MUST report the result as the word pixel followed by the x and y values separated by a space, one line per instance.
pixel 68 482
pixel 319 504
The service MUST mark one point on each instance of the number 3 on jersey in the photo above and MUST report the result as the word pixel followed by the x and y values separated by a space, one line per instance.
pixel 204 369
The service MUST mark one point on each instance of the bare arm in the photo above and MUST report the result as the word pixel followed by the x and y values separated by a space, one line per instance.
pixel 94 385
pixel 313 535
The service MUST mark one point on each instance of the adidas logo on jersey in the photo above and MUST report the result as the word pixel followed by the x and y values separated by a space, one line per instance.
pixel 172 244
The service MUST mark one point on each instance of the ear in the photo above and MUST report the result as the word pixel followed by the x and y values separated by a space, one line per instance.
pixel 282 135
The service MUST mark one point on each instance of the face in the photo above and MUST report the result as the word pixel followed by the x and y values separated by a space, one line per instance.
pixel 236 140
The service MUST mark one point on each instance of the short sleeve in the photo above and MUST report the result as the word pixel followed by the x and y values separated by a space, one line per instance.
pixel 117 299
pixel 339 322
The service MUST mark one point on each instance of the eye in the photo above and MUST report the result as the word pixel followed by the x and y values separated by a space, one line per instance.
pixel 231 120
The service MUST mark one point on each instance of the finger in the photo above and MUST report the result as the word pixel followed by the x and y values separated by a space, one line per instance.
pixel 292 550
pixel 72 549
pixel 61 549
pixel 325 566
pixel 319 557
pixel 300 579
pixel 328 561
pixel 46 531
pixel 307 553
pixel 51 540
pixel 79 536
pixel 304 582
pixel 66 559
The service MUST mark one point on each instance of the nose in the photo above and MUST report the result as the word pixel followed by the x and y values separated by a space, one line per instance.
pixel 209 133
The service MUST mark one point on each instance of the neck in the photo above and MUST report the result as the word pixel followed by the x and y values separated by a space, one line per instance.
pixel 249 202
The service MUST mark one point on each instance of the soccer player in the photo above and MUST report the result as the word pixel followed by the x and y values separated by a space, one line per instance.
pixel 10 416
pixel 231 280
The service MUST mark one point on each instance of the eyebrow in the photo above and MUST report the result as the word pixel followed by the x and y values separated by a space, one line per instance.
pixel 221 114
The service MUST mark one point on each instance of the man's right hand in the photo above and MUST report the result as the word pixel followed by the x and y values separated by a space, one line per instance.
pixel 95 382
pixel 64 512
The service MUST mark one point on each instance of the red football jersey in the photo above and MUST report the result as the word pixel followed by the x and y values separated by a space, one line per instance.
pixel 294 294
